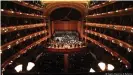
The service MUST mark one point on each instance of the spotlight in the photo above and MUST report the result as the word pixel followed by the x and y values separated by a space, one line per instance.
pixel 19 68
pixel 110 67
pixel 30 66
pixel 102 66
pixel 91 70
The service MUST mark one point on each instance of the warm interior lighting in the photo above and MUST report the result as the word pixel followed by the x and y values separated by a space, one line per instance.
pixel 126 66
pixel 110 67
pixel 10 63
pixel 120 60
pixel 12 11
pixel 2 9
pixel 30 66
pixel 0 51
pixel 102 66
pixel 45 1
pixel 92 70
pixel 9 46
pixel 129 50
pixel 17 42
pixel 103 3
pixel 126 9
pixel 19 68
pixel 121 44
pixel 113 41
pixel 132 30
pixel 20 0
pixel 20 13
pixel 117 11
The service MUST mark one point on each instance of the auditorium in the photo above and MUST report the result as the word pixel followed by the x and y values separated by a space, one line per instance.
pixel 66 37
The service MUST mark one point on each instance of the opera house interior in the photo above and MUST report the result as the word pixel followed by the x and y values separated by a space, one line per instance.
pixel 62 37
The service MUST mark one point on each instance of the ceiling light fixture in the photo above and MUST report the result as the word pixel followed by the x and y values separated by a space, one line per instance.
pixel 30 66
pixel 92 70
pixel 19 68
pixel 102 66
pixel 110 67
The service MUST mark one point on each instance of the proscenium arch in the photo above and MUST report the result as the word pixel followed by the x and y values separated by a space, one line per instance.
pixel 62 14
pixel 53 6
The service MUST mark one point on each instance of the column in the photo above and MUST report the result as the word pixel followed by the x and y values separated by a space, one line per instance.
pixel 66 62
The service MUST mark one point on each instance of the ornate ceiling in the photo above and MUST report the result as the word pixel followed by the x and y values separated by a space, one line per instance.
pixel 51 1
pixel 79 5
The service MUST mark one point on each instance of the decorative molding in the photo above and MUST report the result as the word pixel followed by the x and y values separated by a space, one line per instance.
pixel 112 26
pixel 120 12
pixel 22 39
pixel 20 27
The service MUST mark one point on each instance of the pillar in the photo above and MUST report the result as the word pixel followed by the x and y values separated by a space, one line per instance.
pixel 66 62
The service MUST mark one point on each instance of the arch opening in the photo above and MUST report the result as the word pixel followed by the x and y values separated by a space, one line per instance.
pixel 65 14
